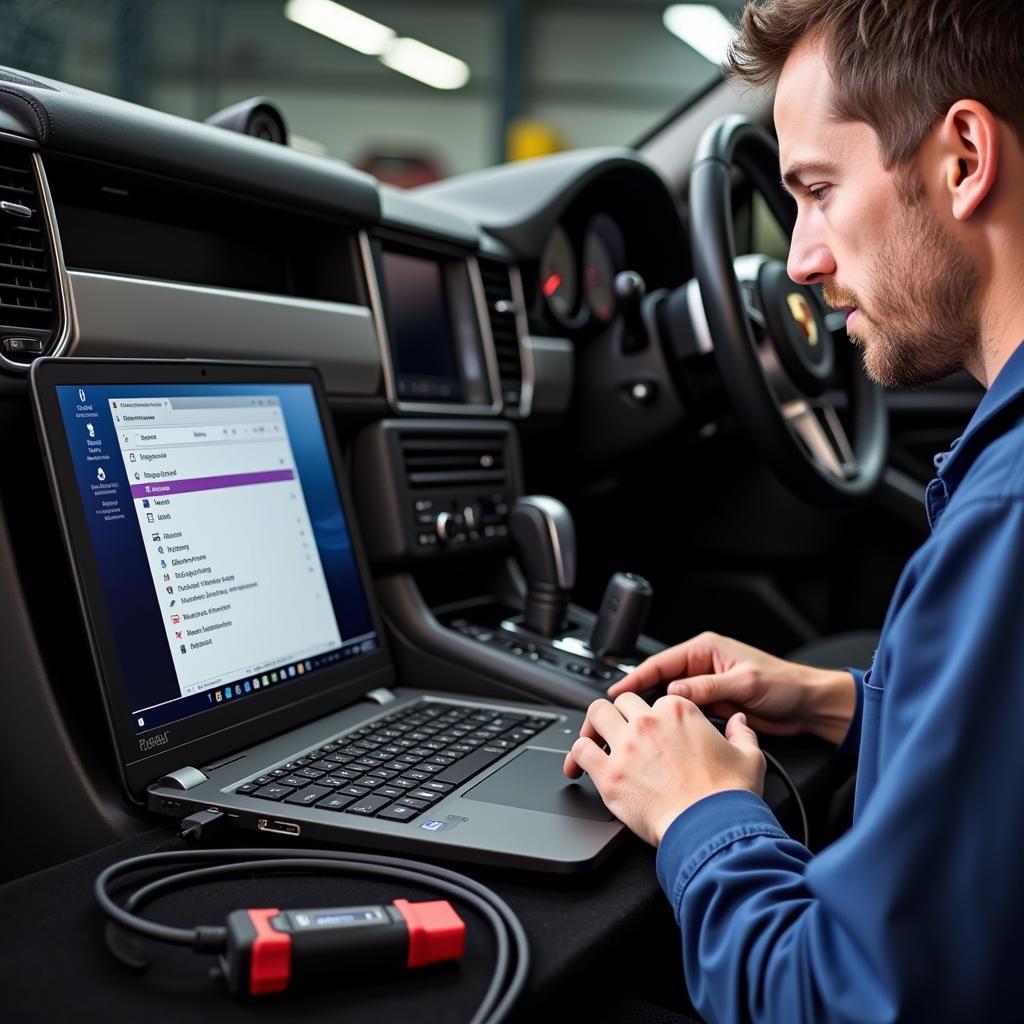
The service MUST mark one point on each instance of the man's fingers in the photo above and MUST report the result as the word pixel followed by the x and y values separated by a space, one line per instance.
pixel 606 721
pixel 685 659
pixel 740 735
pixel 732 686
pixel 585 756
pixel 629 705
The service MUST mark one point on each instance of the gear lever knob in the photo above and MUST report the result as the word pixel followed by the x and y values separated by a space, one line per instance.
pixel 543 531
pixel 624 607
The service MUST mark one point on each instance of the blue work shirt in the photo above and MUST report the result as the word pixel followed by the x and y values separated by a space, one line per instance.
pixel 915 913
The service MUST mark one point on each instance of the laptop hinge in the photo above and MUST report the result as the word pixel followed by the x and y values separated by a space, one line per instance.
pixel 184 778
pixel 382 695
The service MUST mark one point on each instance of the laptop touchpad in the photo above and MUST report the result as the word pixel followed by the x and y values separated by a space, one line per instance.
pixel 534 781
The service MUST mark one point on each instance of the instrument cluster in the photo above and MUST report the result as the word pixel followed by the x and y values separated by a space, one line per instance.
pixel 577 272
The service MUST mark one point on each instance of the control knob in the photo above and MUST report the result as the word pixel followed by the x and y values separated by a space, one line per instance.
pixel 447 527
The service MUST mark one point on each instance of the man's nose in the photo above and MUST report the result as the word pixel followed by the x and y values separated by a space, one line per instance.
pixel 810 260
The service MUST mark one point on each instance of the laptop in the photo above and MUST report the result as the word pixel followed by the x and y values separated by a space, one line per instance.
pixel 239 649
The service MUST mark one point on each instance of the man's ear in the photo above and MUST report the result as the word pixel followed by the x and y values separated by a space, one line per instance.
pixel 969 140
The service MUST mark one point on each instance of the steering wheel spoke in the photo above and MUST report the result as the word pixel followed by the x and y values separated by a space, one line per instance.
pixel 818 426
pixel 782 353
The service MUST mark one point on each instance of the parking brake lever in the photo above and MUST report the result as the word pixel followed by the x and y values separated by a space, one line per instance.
pixel 544 534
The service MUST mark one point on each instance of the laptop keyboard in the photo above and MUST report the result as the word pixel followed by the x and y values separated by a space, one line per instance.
pixel 398 766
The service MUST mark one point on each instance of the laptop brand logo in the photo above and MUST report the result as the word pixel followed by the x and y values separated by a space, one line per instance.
pixel 159 739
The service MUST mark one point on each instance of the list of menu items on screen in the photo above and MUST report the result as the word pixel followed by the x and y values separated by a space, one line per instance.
pixel 227 533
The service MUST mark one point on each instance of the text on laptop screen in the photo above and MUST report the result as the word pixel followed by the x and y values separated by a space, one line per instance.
pixel 219 535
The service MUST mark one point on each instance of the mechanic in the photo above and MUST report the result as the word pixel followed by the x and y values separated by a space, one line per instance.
pixel 901 127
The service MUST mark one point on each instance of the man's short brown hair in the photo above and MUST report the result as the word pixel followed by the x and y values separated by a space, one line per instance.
pixel 897 65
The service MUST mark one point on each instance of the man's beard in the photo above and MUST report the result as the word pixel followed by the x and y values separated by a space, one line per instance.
pixel 923 322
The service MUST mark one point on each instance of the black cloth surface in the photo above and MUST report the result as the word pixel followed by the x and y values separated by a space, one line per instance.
pixel 593 939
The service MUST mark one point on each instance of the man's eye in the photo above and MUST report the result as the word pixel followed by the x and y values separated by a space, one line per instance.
pixel 818 192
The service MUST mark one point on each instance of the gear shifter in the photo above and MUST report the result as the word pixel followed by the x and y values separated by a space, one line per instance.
pixel 624 607
pixel 543 531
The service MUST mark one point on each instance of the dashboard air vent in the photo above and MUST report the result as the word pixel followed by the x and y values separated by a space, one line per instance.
pixel 447 460
pixel 30 316
pixel 501 310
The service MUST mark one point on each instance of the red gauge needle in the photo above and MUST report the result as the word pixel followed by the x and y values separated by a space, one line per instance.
pixel 551 284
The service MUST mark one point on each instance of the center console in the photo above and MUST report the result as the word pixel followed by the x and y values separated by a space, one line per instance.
pixel 476 579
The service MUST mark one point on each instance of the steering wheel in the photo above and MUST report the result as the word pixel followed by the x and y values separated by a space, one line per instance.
pixel 783 355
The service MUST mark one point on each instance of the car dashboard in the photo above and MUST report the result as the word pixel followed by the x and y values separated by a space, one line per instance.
pixel 447 323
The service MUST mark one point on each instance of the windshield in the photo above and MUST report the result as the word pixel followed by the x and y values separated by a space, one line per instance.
pixel 411 90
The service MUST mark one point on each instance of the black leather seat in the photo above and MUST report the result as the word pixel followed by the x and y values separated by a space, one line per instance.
pixel 855 649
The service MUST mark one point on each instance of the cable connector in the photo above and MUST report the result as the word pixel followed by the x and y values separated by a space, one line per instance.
pixel 201 825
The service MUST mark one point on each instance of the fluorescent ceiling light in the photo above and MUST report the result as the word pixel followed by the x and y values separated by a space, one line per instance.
pixel 701 26
pixel 341 24
pixel 425 64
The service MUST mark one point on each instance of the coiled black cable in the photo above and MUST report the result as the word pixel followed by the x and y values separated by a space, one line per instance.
pixel 512 960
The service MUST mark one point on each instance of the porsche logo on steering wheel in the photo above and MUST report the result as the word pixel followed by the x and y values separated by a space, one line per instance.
pixel 800 310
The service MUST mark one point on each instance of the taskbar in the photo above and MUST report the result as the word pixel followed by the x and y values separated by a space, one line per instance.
pixel 248 686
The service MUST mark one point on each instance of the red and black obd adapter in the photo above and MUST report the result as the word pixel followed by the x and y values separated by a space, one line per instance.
pixel 267 951
pixel 271 951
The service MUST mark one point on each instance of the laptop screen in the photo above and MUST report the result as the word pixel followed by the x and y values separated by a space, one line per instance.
pixel 221 545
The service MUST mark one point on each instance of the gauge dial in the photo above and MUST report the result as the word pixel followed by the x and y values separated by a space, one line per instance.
pixel 558 280
pixel 602 259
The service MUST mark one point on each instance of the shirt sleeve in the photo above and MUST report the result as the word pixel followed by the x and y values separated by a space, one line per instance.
pixel 851 741
pixel 913 915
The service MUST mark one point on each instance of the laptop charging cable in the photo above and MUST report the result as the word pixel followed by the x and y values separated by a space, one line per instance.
pixel 270 951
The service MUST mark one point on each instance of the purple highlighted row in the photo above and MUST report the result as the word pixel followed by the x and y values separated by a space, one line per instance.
pixel 211 483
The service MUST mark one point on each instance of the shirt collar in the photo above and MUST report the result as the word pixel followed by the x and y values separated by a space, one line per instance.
pixel 988 421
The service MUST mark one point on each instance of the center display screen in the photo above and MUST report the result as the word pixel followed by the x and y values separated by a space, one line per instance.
pixel 420 321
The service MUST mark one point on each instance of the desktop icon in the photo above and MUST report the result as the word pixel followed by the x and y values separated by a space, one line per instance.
pixel 91 429
pixel 142 721
pixel 81 398
pixel 100 475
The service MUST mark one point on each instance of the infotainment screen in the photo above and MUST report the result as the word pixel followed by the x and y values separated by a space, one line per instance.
pixel 420 328
pixel 221 546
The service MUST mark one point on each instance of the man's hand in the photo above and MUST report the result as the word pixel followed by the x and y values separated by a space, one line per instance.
pixel 723 676
pixel 661 759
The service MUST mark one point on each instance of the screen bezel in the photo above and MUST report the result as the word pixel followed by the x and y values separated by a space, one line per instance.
pixel 458 270
pixel 219 730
